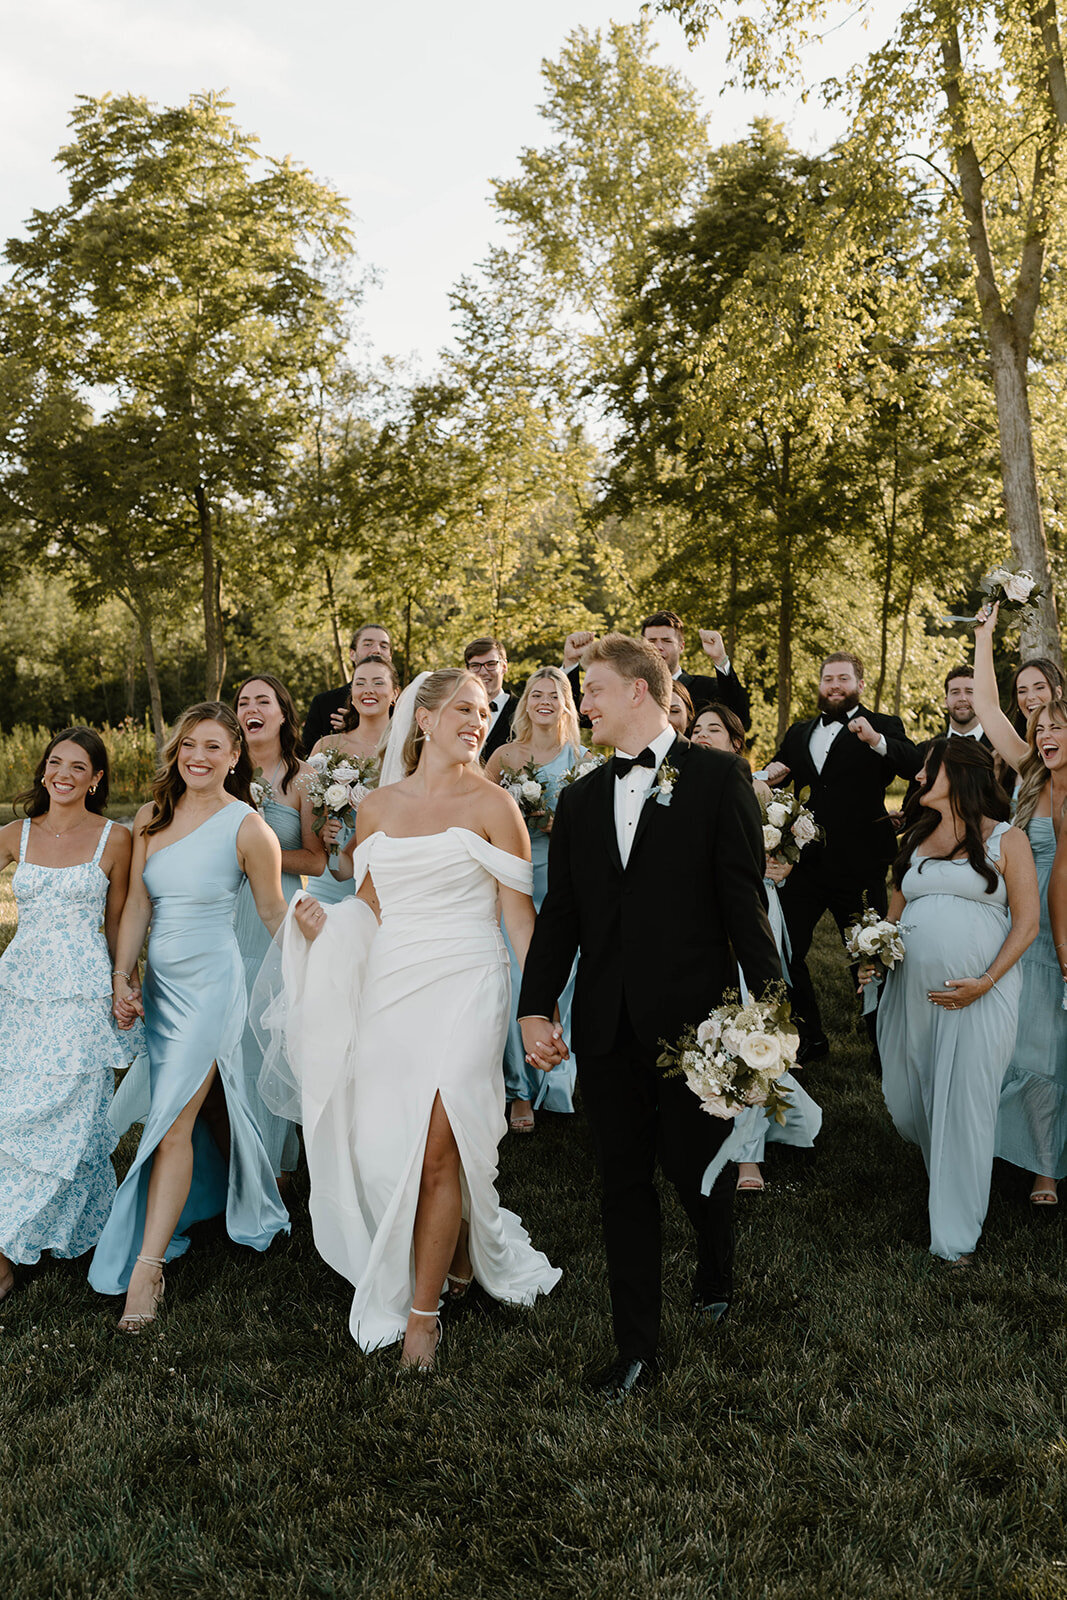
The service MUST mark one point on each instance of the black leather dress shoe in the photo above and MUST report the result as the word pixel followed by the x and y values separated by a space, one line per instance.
pixel 711 1312
pixel 625 1374
pixel 813 1050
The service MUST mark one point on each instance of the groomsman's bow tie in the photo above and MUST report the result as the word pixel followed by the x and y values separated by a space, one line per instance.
pixel 621 765
pixel 827 717
pixel 493 705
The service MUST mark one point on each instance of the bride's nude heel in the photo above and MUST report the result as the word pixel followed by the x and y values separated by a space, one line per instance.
pixel 137 1321
pixel 423 1363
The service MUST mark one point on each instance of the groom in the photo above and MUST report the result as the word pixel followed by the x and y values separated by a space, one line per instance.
pixel 666 839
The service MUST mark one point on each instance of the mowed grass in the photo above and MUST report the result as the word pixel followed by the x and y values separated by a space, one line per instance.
pixel 861 1426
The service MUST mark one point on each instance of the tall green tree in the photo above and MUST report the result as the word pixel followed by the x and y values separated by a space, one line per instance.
pixel 178 291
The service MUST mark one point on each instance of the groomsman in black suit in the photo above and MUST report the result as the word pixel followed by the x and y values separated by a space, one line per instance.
pixel 625 858
pixel 847 756
pixel 488 658
pixel 963 723
pixel 327 710
pixel 664 631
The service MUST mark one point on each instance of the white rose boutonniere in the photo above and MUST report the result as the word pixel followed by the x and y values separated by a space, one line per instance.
pixel 663 788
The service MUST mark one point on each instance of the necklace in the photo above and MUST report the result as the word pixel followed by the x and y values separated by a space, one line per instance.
pixel 72 829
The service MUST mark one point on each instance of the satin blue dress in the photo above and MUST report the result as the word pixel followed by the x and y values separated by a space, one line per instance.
pixel 195 1006
pixel 942 1070
pixel 279 1135
pixel 549 1091
pixel 1032 1124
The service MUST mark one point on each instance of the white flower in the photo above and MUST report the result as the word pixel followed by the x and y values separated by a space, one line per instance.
pixel 804 829
pixel 336 797
pixel 587 767
pixel 258 792
pixel 867 941
pixel 716 1105
pixel 1017 585
pixel 345 773
pixel 777 814
pixel 772 838
pixel 760 1051
pixel 319 761
pixel 709 1031
pixel 357 792
pixel 531 790
pixel 733 1039
pixel 999 575
pixel 693 1063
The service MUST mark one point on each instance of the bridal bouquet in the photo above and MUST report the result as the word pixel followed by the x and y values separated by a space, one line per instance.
pixel 1012 591
pixel 788 825
pixel 734 1058
pixel 528 793
pixel 336 784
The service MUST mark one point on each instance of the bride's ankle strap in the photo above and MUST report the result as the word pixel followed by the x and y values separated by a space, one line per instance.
pixel 416 1313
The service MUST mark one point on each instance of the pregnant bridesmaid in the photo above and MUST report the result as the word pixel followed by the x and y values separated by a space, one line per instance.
pixel 58 1046
pixel 267 716
pixel 192 848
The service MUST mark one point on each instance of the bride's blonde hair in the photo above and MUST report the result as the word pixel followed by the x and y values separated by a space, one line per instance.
pixel 1033 773
pixel 569 731
pixel 435 692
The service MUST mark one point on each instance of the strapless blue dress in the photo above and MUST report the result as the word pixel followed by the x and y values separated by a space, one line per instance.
pixel 195 1006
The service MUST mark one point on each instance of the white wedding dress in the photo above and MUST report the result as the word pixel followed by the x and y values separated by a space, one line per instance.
pixel 375 1021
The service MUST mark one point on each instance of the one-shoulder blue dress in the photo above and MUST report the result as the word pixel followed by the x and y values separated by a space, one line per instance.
pixel 195 1005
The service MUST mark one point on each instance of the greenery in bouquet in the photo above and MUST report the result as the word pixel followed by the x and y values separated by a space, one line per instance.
pixel 587 762
pixel 735 1057
pixel 1011 591
pixel 873 940
pixel 529 793
pixel 262 790
pixel 337 783
pixel 788 825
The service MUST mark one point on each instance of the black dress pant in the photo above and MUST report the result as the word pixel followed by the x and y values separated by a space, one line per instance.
pixel 634 1112
pixel 809 890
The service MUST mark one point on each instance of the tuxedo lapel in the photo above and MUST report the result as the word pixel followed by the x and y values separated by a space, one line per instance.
pixel 805 778
pixel 675 758
pixel 840 751
pixel 606 802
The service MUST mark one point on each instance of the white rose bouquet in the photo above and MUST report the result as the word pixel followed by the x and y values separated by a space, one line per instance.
pixel 1012 591
pixel 588 762
pixel 336 784
pixel 261 789
pixel 529 794
pixel 788 825
pixel 735 1057
pixel 874 941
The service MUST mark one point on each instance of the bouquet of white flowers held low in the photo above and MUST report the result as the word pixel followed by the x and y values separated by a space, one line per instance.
pixel 734 1058
pixel 261 789
pixel 1012 591
pixel 529 794
pixel 336 784
pixel 788 825
pixel 587 762
pixel 874 941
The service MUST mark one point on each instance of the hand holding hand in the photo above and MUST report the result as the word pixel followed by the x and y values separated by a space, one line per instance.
pixel 126 1002
pixel 711 641
pixel 310 917
pixel 777 772
pixel 573 646
pixel 543 1042
pixel 960 992
pixel 863 730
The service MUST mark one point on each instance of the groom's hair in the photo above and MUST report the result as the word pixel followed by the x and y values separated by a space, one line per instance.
pixel 632 658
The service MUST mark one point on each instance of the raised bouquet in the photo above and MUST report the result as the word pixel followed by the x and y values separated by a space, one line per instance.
pixel 529 793
pixel 735 1057
pixel 1012 591
pixel 336 784
pixel 788 825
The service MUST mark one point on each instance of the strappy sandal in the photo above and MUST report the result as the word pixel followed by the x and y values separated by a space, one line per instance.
pixel 425 1366
pixel 1044 1197
pixel 138 1321
pixel 457 1286
pixel 522 1124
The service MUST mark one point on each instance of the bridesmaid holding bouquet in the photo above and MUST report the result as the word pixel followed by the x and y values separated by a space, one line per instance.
pixel 372 695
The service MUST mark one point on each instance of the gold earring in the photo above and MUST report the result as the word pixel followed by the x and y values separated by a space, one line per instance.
pixel 92 788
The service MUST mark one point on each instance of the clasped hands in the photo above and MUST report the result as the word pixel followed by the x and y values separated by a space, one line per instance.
pixel 543 1042
pixel 126 1006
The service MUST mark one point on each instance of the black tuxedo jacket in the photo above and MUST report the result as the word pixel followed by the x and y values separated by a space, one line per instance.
pixel 657 932
pixel 500 732
pixel 317 724
pixel 848 796
pixel 724 687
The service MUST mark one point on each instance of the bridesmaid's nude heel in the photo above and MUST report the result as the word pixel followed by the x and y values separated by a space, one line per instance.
pixel 424 1364
pixel 137 1321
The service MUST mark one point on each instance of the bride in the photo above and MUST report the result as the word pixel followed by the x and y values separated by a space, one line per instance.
pixel 393 1023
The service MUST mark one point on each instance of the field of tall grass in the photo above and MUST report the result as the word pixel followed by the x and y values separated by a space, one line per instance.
pixel 130 746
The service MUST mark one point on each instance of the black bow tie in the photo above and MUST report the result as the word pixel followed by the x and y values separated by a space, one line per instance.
pixel 829 717
pixel 492 705
pixel 621 765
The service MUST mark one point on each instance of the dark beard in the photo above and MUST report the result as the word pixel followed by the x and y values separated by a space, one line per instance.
pixel 972 718
pixel 844 706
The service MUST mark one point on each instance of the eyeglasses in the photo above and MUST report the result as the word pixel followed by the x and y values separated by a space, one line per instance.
pixel 485 666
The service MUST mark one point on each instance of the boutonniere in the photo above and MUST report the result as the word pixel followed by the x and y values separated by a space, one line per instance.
pixel 663 788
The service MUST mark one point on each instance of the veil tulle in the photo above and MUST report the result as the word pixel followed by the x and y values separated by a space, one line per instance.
pixel 403 717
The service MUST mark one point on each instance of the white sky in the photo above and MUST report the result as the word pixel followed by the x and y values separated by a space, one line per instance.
pixel 407 110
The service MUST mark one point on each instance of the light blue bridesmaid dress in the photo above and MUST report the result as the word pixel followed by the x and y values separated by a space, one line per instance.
pixel 1032 1125
pixel 942 1070
pixel 326 888
pixel 195 1005
pixel 279 1135
pixel 549 1091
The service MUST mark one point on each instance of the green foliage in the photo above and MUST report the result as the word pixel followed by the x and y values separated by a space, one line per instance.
pixel 131 750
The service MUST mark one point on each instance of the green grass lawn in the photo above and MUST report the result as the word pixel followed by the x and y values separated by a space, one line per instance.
pixel 861 1426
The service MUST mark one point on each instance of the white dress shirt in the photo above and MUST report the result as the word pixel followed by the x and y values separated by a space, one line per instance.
pixel 823 735
pixel 972 733
pixel 632 791
pixel 496 706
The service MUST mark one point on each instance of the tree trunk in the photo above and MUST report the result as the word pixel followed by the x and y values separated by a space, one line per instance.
pixel 887 586
pixel 902 663
pixel 785 632
pixel 731 605
pixel 332 598
pixel 407 638
pixel 213 664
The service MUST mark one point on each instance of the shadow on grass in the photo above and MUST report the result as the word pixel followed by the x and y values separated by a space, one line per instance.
pixel 861 1426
